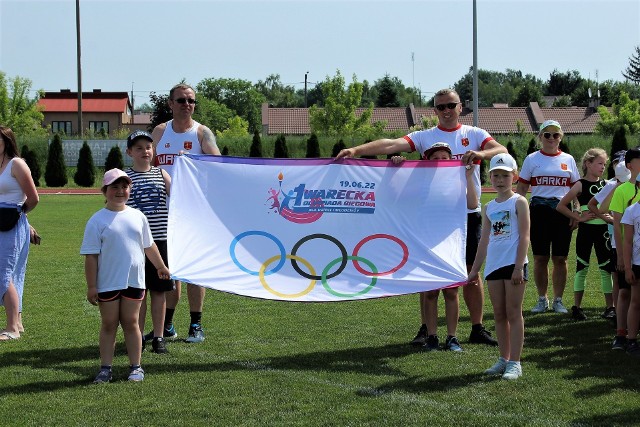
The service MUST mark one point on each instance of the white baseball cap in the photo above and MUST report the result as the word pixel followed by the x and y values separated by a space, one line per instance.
pixel 503 161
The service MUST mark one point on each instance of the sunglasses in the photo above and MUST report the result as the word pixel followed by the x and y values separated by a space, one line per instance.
pixel 191 101
pixel 450 106
pixel 549 135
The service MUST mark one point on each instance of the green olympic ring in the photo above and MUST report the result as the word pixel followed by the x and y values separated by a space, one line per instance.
pixel 329 289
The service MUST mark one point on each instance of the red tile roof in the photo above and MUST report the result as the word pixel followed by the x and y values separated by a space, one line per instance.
pixel 88 105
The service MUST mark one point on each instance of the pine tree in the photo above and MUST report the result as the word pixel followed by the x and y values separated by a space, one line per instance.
pixel 618 143
pixel 31 159
pixel 512 150
pixel 225 151
pixel 533 146
pixel 114 159
pixel 55 174
pixel 85 175
pixel 337 147
pixel 256 146
pixel 281 151
pixel 563 146
pixel 633 70
pixel 313 147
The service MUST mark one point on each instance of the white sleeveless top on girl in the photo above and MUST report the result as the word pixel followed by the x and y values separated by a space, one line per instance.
pixel 10 190
pixel 503 235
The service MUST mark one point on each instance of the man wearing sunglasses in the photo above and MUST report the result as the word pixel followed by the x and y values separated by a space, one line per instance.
pixel 182 134
pixel 471 145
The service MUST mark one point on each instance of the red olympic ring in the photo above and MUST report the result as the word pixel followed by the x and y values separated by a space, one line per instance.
pixel 405 256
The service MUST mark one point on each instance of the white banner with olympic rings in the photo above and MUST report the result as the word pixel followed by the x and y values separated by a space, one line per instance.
pixel 317 229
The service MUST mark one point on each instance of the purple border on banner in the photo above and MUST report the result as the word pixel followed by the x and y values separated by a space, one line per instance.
pixel 376 163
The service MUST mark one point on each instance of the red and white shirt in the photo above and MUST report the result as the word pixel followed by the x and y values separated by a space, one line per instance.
pixel 172 143
pixel 461 139
pixel 549 175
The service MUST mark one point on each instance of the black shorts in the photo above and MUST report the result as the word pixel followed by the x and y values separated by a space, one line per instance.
pixel 474 230
pixel 622 282
pixel 135 294
pixel 550 232
pixel 505 273
pixel 153 282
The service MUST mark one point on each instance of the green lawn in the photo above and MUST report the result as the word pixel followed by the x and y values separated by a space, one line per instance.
pixel 275 363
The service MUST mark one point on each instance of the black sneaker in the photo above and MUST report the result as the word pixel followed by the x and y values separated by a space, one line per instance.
pixel 158 345
pixel 432 343
pixel 619 343
pixel 421 337
pixel 609 313
pixel 452 344
pixel 168 334
pixel 482 336
pixel 196 334
pixel 633 349
pixel 578 314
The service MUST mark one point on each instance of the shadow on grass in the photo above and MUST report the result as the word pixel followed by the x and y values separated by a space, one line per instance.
pixel 555 341
pixel 622 418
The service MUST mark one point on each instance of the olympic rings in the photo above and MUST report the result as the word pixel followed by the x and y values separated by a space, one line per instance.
pixel 405 255
pixel 340 246
pixel 355 259
pixel 283 252
pixel 311 274
pixel 280 294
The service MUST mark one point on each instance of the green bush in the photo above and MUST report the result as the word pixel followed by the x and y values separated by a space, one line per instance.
pixel 313 147
pixel 31 160
pixel 281 151
pixel 256 146
pixel 85 175
pixel 55 174
pixel 114 159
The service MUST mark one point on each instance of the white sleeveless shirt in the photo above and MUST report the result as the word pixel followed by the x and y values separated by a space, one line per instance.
pixel 10 190
pixel 172 143
pixel 503 235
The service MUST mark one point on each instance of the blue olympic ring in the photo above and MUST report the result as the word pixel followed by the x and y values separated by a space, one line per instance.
pixel 278 266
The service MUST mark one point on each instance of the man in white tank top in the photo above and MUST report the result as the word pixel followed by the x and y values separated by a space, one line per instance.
pixel 182 134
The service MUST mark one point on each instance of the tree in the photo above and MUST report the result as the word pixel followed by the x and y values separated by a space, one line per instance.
pixel 511 149
pixel 161 112
pixel 632 72
pixel 338 117
pixel 533 146
pixel 618 143
pixel 563 84
pixel 527 93
pixel 17 111
pixel 277 94
pixel 624 114
pixel 238 95
pixel 225 151
pixel 114 159
pixel 31 159
pixel 85 175
pixel 280 150
pixel 237 127
pixel 313 147
pixel 212 114
pixel 55 174
pixel 256 145
pixel 337 147
pixel 387 93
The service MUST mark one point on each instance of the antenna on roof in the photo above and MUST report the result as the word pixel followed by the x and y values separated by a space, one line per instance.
pixel 589 92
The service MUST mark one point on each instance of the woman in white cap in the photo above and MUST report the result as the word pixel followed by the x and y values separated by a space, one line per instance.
pixel 549 173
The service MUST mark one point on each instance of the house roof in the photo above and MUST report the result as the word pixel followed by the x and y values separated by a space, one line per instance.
pixel 92 102
pixel 503 120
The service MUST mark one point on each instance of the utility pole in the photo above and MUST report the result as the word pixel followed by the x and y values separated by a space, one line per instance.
pixel 305 89
pixel 78 50
pixel 413 76
pixel 475 66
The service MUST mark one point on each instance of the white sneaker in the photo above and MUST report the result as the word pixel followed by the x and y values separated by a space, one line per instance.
pixel 541 306
pixel 512 371
pixel 498 368
pixel 558 307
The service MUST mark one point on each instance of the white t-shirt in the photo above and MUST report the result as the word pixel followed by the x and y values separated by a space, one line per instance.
pixel 609 186
pixel 631 216
pixel 550 176
pixel 461 139
pixel 119 238
pixel 504 235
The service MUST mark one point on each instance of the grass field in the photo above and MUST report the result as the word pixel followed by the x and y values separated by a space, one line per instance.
pixel 274 363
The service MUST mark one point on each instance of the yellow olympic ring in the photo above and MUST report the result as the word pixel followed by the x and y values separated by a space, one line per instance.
pixel 306 263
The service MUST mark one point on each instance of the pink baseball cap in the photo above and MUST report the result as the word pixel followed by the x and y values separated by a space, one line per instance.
pixel 113 175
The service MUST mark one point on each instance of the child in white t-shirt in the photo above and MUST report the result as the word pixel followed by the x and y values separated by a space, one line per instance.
pixel 115 242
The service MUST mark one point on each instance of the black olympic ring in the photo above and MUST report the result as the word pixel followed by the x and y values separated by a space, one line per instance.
pixel 343 250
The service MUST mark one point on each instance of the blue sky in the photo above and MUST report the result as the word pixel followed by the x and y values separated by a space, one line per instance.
pixel 152 45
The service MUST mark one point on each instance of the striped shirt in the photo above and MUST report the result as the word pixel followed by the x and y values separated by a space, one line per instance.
pixel 149 195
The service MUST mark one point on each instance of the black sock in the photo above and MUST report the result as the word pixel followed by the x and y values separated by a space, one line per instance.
pixel 477 327
pixel 196 317
pixel 105 367
pixel 168 317
pixel 132 367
